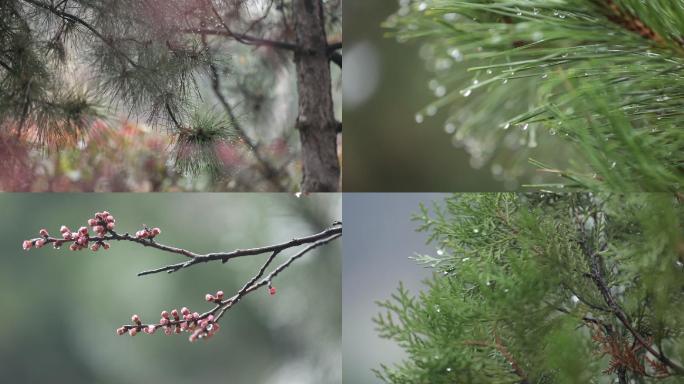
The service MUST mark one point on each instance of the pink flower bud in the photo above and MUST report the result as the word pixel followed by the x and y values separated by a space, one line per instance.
pixel 210 318
pixel 40 243
pixel 174 313
pixel 183 326
pixel 66 235
pixel 272 291
pixel 151 329
pixel 168 331
pixel 195 315
pixel 163 321
pixel 64 229
pixel 209 297
pixel 92 222
pixel 27 244
pixel 120 331
pixel 165 314
pixel 110 226
pixel 95 247
pixel 73 247
pixel 109 219
pixel 44 233
pixel 74 235
pixel 132 331
pixel 98 229
pixel 105 246
pixel 104 214
pixel 219 295
pixel 156 231
pixel 83 231
pixel 135 319
pixel 185 310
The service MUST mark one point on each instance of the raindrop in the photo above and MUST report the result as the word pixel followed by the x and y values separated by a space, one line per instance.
pixel 466 92
pixel 475 230
pixel 505 81
pixel 440 91
pixel 489 71
pixel 613 164
pixel 431 110
pixel 465 259
pixel 422 6
pixel 419 118
pixel 298 194
pixel 544 76
pixel 508 125
pixel 448 369
pixel 525 127
pixel 456 54
pixel 475 82
pixel 450 128
pixel 440 252
pixel 535 11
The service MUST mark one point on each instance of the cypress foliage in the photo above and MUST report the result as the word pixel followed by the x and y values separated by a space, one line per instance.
pixel 545 288
pixel 591 90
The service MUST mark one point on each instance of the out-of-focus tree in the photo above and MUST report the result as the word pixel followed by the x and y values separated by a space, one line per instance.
pixel 185 67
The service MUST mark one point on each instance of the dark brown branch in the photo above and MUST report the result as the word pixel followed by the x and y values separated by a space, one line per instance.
pixel 243 38
pixel 225 256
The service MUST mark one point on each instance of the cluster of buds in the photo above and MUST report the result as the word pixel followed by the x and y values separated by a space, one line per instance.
pixel 271 289
pixel 147 233
pixel 101 223
pixel 171 322
pixel 38 243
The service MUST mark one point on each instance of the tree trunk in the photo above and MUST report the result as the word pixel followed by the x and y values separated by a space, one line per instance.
pixel 316 120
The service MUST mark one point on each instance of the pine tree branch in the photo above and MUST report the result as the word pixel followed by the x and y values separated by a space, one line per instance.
pixel 628 21
pixel 243 38
pixel 73 18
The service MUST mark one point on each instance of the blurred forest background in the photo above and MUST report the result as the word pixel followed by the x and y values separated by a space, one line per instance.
pixel 385 85
pixel 61 308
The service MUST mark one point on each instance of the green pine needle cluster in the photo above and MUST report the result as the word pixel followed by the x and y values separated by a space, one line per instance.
pixel 545 288
pixel 591 90
pixel 61 59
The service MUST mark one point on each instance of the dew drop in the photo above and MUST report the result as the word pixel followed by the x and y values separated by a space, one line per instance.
pixel 508 125
pixel 613 164
pixel 525 127
pixel 419 118
pixel 466 92
pixel 456 54
pixel 440 91
pixel 448 369
pixel 298 194
pixel 489 71
pixel 475 230
pixel 440 252
pixel 431 110
pixel 450 128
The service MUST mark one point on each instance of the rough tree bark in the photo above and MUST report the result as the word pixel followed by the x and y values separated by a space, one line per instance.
pixel 316 121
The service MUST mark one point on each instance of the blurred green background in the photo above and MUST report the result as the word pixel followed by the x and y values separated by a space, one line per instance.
pixel 60 308
pixel 385 84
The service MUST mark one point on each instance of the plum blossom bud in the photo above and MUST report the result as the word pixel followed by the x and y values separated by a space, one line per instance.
pixel 27 244
pixel 185 311
pixel 109 219
pixel 195 315
pixel 165 314
pixel 40 243
pixel 92 222
pixel 104 214
pixel 44 233
pixel 174 313
pixel 209 297
pixel 135 319
pixel 83 231
pixel 73 247
pixel 163 321
pixel 105 246
pixel 120 331
pixel 110 226
pixel 66 235
pixel 132 331
pixel 156 231
pixel 149 329
pixel 98 229
pixel 272 291
pixel 219 295
pixel 95 247
pixel 64 229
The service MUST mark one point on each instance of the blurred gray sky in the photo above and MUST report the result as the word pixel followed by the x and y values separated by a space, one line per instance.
pixel 379 236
